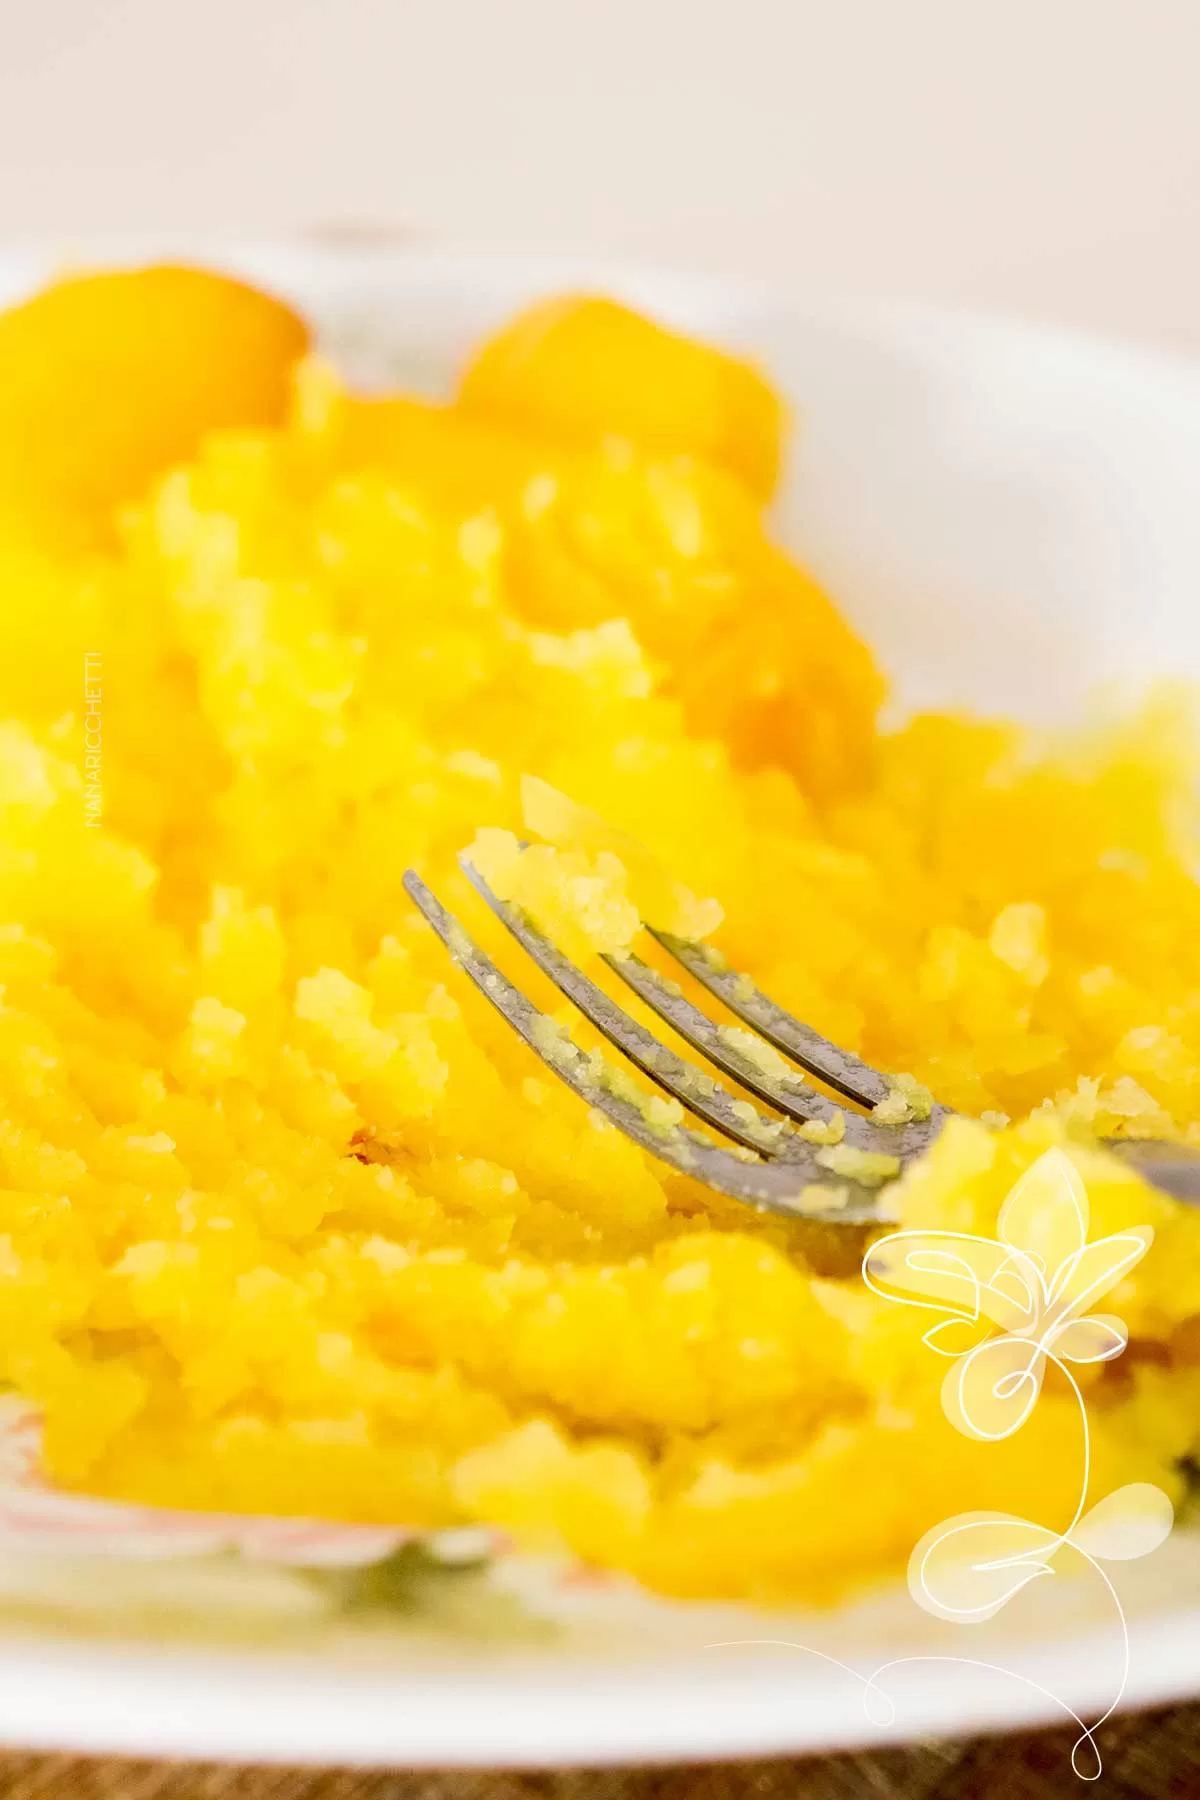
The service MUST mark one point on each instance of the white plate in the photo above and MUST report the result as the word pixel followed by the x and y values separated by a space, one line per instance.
pixel 1010 515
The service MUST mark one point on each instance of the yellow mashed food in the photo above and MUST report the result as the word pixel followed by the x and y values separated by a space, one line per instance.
pixel 289 1221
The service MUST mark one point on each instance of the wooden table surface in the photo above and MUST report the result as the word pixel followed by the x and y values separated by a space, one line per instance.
pixel 1147 1756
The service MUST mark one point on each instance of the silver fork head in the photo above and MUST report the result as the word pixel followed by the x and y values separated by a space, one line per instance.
pixel 772 1166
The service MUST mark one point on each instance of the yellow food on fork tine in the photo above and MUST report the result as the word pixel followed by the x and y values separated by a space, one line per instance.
pixel 290 1219
pixel 631 881
pixel 535 891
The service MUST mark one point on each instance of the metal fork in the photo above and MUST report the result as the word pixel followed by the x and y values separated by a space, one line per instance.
pixel 772 1166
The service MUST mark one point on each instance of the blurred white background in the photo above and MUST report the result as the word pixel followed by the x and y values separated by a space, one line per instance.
pixel 1036 155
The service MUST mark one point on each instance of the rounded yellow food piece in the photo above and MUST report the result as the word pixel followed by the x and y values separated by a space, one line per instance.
pixel 747 640
pixel 106 379
pixel 581 368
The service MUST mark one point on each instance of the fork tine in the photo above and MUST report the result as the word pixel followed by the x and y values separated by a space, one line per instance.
pixel 702 1096
pixel 782 1091
pixel 797 1188
pixel 707 1099
pixel 863 1133
pixel 845 1073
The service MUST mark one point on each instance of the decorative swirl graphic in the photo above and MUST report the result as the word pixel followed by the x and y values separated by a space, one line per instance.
pixel 1037 1280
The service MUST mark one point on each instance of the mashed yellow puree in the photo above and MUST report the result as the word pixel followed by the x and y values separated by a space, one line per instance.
pixel 288 1220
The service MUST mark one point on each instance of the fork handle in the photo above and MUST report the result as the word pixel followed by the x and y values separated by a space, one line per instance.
pixel 1172 1168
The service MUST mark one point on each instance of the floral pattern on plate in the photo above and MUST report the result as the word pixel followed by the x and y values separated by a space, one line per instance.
pixel 41 1520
